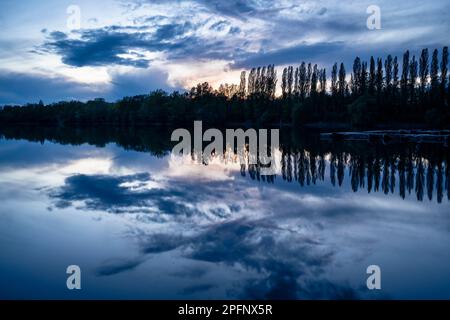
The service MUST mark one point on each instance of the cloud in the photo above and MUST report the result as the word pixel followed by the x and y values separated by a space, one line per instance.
pixel 108 193
pixel 294 54
pixel 236 33
pixel 138 81
pixel 114 44
pixel 99 47
pixel 21 88
pixel 233 8
pixel 171 31
pixel 116 266
pixel 113 194
pixel 288 265
pixel 237 9
pixel 219 25
pixel 198 288
pixel 285 264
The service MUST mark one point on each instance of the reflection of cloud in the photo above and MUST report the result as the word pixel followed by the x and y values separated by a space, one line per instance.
pixel 198 288
pixel 284 286
pixel 119 194
pixel 191 273
pixel 280 237
pixel 288 265
pixel 284 262
pixel 220 167
pixel 276 240
pixel 185 167
pixel 88 166
pixel 162 243
pixel 115 266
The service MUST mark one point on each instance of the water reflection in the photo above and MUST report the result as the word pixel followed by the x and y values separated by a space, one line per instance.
pixel 407 169
pixel 404 168
pixel 165 227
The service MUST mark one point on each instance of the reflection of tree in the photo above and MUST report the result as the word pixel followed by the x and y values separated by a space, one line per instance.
pixel 447 178
pixel 389 169
pixel 420 180
pixel 402 169
pixel 430 180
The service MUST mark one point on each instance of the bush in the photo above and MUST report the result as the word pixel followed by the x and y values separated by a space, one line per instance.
pixel 433 118
pixel 362 111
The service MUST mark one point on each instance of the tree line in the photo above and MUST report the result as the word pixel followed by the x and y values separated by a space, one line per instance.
pixel 386 91
pixel 401 172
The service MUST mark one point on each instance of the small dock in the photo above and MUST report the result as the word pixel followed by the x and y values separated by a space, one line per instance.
pixel 391 136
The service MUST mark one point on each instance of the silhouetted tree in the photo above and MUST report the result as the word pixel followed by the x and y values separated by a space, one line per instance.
pixel 379 80
pixel 302 81
pixel 356 78
pixel 334 81
pixel 413 80
pixel 388 75
pixel 444 62
pixel 395 79
pixel 242 92
pixel 404 82
pixel 434 79
pixel 363 78
pixel 284 83
pixel 423 74
pixel 372 76
pixel 290 80
pixel 342 82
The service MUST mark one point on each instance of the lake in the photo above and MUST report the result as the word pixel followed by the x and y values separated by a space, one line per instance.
pixel 143 223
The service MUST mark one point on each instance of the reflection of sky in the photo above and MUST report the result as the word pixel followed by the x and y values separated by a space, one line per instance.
pixel 142 227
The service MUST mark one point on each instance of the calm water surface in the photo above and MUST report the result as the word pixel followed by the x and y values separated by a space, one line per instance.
pixel 143 223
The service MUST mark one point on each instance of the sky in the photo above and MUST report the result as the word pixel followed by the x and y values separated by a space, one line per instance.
pixel 54 50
